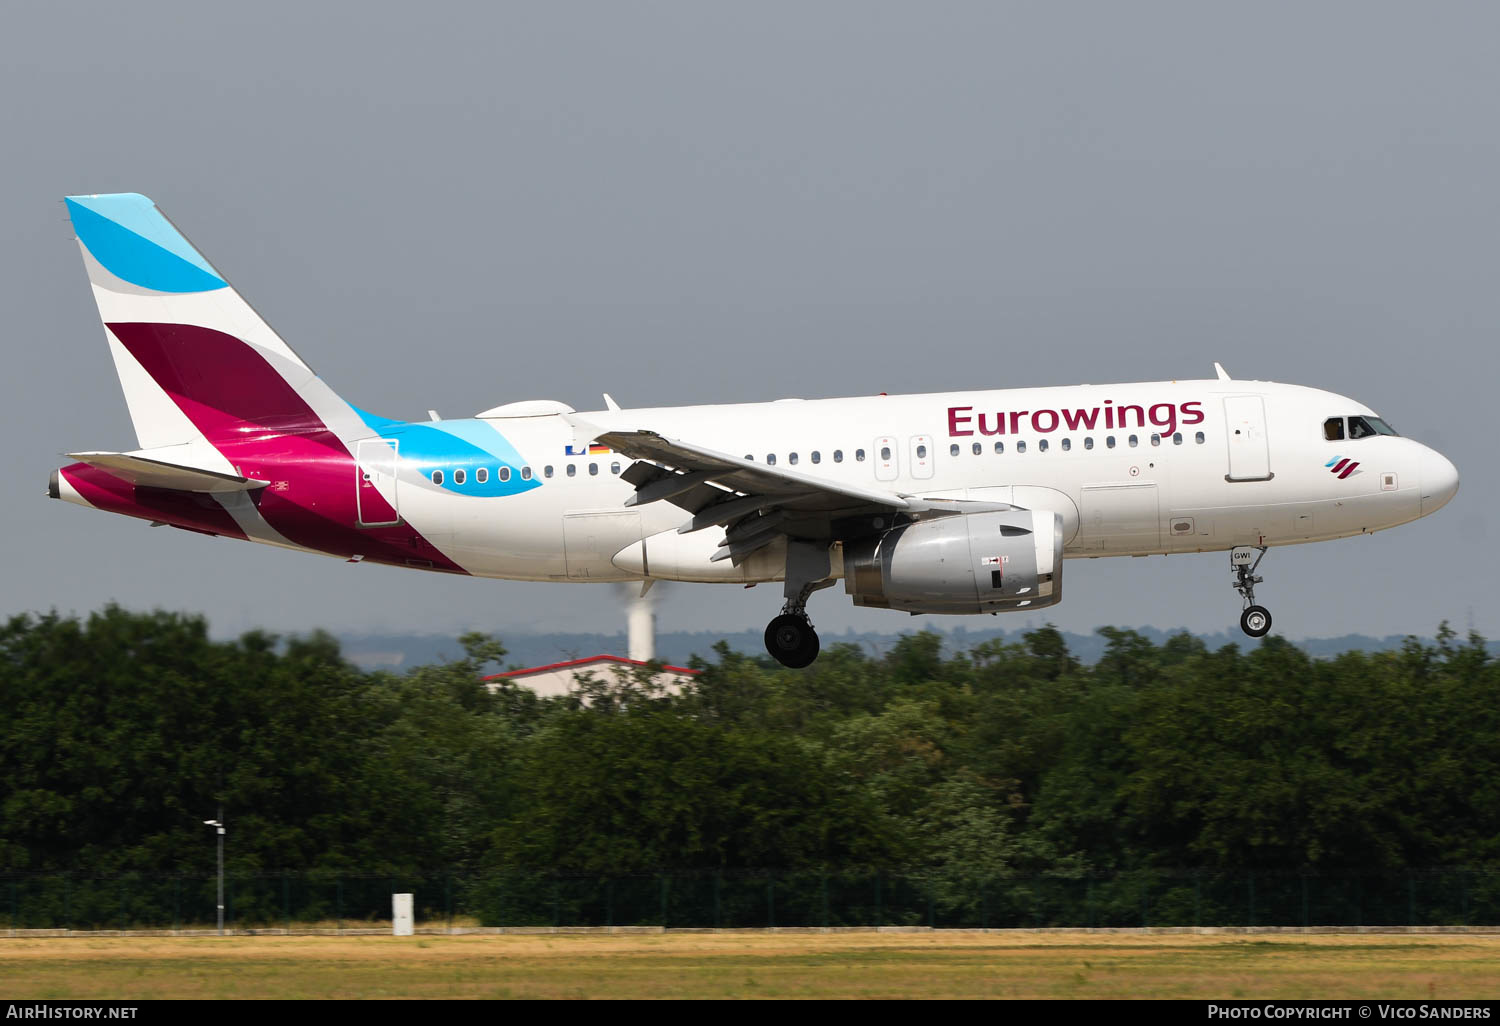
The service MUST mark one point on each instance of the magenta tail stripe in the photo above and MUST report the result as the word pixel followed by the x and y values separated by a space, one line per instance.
pixel 1340 465
pixel 226 388
pixel 1349 470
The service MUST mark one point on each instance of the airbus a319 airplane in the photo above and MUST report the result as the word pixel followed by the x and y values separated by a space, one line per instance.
pixel 960 502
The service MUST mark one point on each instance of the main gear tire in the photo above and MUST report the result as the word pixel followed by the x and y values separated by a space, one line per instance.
pixel 791 641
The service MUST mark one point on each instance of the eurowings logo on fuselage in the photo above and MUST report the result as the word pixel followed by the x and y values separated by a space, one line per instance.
pixel 1110 417
pixel 1342 467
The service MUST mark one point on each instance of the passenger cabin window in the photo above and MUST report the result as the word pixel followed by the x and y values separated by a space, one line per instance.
pixel 1042 445
pixel 614 468
pixel 1198 438
pixel 838 455
pixel 1333 429
pixel 482 475
pixel 791 458
pixel 922 451
pixel 859 455
pixel 1088 442
pixel 1067 444
pixel 1020 447
pixel 572 470
pixel 504 474
pixel 593 470
pixel 459 477
pixel 1177 438
pixel 817 457
pixel 1109 441
pixel 999 448
pixel 437 477
pixel 525 473
pixel 770 459
pixel 1134 441
pixel 978 448
pixel 1155 439
pixel 547 471
pixel 885 452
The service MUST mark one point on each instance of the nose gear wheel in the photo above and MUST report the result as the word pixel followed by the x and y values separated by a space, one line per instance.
pixel 1256 621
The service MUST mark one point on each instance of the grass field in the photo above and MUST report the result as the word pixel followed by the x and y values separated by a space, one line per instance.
pixel 942 964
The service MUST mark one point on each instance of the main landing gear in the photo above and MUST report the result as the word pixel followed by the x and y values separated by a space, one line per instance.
pixel 1255 620
pixel 790 638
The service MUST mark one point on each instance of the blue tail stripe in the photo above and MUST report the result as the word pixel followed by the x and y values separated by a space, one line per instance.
pixel 134 242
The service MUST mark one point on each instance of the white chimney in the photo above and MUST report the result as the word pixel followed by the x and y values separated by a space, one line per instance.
pixel 642 628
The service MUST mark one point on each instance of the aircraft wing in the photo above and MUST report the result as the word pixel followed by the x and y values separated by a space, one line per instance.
pixel 754 502
pixel 148 473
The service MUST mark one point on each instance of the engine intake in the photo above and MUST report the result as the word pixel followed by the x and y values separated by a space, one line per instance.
pixel 970 563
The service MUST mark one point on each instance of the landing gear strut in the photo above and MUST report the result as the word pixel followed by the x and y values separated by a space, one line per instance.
pixel 790 638
pixel 1255 620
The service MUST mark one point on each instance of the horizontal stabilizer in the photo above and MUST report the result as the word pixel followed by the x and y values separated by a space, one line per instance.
pixel 144 472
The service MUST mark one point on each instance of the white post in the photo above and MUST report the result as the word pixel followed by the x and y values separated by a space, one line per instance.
pixel 642 633
pixel 401 919
pixel 221 870
pixel 218 824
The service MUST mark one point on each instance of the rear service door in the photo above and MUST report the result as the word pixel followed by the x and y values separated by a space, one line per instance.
pixel 375 499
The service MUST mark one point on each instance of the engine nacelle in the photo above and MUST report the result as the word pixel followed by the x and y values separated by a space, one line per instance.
pixel 970 563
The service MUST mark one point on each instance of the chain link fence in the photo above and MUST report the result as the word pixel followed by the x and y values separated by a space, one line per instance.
pixel 753 899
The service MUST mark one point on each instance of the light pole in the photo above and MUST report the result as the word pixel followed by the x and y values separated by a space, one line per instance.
pixel 219 825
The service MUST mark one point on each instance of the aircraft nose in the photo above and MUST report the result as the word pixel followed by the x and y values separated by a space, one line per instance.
pixel 1439 481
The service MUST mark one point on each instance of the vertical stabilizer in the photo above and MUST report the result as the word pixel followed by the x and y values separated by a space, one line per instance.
pixel 199 367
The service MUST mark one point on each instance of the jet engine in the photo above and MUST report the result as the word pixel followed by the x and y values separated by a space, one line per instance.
pixel 968 563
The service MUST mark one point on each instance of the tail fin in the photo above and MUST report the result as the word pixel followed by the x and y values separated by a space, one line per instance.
pixel 198 365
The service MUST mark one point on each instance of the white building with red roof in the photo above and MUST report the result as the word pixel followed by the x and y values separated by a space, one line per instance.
pixel 562 678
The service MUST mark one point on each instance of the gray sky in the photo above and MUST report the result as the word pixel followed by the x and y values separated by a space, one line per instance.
pixel 455 206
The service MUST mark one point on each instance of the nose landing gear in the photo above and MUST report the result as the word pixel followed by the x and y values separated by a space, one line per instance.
pixel 1255 620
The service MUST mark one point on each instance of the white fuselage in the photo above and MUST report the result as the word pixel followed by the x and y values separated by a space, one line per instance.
pixel 1185 466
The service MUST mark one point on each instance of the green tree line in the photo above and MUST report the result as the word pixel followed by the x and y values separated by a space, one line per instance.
pixel 123 731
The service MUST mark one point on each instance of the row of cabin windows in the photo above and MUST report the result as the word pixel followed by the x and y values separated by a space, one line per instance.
pixel 1066 444
pixel 816 456
pixel 482 474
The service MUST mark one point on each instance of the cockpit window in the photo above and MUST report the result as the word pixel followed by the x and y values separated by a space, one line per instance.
pixel 1333 429
pixel 1364 427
